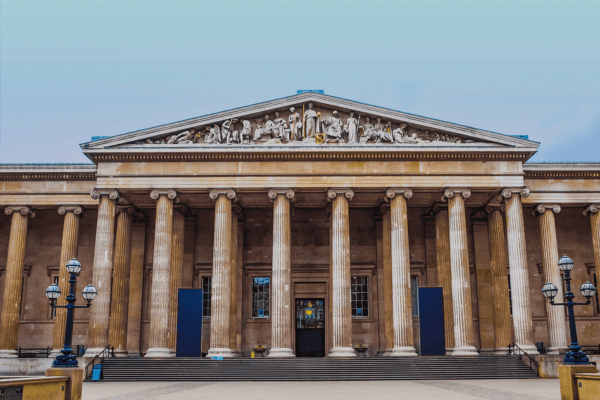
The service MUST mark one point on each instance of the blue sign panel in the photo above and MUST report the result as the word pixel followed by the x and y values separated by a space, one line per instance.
pixel 431 321
pixel 189 323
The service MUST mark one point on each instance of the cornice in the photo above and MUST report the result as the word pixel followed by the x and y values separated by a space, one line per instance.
pixel 47 172
pixel 561 170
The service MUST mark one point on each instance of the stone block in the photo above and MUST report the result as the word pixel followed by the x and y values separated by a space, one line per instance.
pixel 74 387
pixel 588 386
pixel 568 382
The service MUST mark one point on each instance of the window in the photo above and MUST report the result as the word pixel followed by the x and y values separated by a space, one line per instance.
pixel 414 291
pixel 206 285
pixel 360 296
pixel 509 295
pixel 260 297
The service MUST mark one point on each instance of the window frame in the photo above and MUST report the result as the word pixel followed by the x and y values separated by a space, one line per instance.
pixel 252 278
pixel 368 295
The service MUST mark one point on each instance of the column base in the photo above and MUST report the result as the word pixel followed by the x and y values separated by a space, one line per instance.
pixel 55 352
pixel 500 351
pixel 93 352
pixel 386 353
pixel 449 351
pixel 281 353
pixel 529 349
pixel 158 352
pixel 465 351
pixel 219 352
pixel 557 350
pixel 121 353
pixel 341 352
pixel 408 351
pixel 8 354
pixel 134 354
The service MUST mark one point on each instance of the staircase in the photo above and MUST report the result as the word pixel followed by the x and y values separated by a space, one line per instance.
pixel 316 369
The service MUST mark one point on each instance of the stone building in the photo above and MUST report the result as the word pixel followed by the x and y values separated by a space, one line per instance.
pixel 312 211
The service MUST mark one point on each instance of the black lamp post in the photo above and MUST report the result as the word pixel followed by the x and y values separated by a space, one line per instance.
pixel 575 355
pixel 67 358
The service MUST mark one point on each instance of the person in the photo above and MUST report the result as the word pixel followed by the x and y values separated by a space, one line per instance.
pixel 310 121
pixel 334 127
pixel 295 125
pixel 352 128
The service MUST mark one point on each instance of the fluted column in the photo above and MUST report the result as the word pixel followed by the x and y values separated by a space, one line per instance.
pixel 117 329
pixel 388 299
pixel 161 274
pixel 68 250
pixel 103 264
pixel 462 308
pixel 181 211
pixel 13 282
pixel 519 273
pixel 401 293
pixel 500 299
pixel 557 326
pixel 221 278
pixel 233 278
pixel 444 270
pixel 281 279
pixel 593 211
pixel 340 273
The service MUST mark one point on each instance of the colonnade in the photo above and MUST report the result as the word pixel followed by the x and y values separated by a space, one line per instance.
pixel 452 268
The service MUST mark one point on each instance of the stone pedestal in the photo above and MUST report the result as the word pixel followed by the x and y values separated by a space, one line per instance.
pixel 442 245
pixel 340 273
pixel 13 282
pixel 568 383
pixel 401 293
pixel 161 274
pixel 221 278
pixel 557 326
pixel 519 272
pixel 74 387
pixel 462 307
pixel 281 279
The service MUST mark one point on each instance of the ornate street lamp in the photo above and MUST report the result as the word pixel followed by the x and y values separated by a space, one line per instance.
pixel 67 358
pixel 575 355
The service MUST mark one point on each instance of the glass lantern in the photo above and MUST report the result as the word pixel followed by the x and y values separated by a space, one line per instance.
pixel 73 266
pixel 588 290
pixel 89 292
pixel 550 290
pixel 565 263
pixel 53 292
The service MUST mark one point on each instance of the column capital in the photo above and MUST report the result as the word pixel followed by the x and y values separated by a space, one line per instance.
pixel 129 209
pixel 170 193
pixel 111 193
pixel 77 210
pixel 451 192
pixel 23 210
pixel 183 209
pixel 215 193
pixel 507 193
pixel 541 208
pixel 392 192
pixel 436 208
pixel 288 193
pixel 334 192
pixel 592 208
pixel 490 208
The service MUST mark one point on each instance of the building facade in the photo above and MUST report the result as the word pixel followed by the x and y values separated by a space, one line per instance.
pixel 300 216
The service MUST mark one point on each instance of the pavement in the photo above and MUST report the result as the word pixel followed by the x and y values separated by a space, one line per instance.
pixel 514 389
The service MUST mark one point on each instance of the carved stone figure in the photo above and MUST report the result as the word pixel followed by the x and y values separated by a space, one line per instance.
pixel 295 125
pixel 264 132
pixel 228 134
pixel 310 121
pixel 352 128
pixel 246 132
pixel 213 135
pixel 183 138
pixel 280 128
pixel 333 127
pixel 400 135
pixel 386 133
pixel 368 131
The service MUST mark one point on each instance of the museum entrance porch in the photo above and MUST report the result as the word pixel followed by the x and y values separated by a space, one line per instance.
pixel 310 328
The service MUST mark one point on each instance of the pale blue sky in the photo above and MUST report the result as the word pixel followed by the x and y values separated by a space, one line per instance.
pixel 75 69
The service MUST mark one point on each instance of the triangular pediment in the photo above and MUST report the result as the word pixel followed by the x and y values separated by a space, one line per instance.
pixel 328 123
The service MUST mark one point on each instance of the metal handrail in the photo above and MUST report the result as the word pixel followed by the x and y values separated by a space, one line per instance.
pixel 21 351
pixel 512 349
pixel 111 352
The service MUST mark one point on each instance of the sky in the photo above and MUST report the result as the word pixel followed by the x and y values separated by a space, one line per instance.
pixel 70 70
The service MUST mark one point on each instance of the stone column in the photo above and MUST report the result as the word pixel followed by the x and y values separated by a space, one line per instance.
pixel 161 274
pixel 388 299
pixel 442 245
pixel 593 211
pixel 281 280
pixel 401 293
pixel 233 277
pixel 221 276
pixel 117 329
pixel 136 279
pixel 102 270
pixel 68 250
pixel 340 273
pixel 13 282
pixel 519 273
pixel 557 326
pixel 181 211
pixel 462 308
pixel 500 300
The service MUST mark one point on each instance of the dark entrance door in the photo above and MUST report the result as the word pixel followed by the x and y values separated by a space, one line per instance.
pixel 431 321
pixel 310 328
pixel 189 323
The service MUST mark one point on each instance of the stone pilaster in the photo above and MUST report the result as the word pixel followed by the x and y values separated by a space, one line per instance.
pixel 102 270
pixel 13 282
pixel 462 307
pixel 181 211
pixel 442 245
pixel 388 299
pixel 281 279
pixel 557 326
pixel 233 277
pixel 117 329
pixel 519 273
pixel 340 273
pixel 401 293
pixel 68 250
pixel 136 279
pixel 221 278
pixel 161 274
pixel 593 211
pixel 500 299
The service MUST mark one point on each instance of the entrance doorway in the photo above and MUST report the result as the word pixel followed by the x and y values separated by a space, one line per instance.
pixel 310 328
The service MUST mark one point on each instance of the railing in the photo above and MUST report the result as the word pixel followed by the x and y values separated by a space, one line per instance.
pixel 591 350
pixel 108 351
pixel 32 353
pixel 519 352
